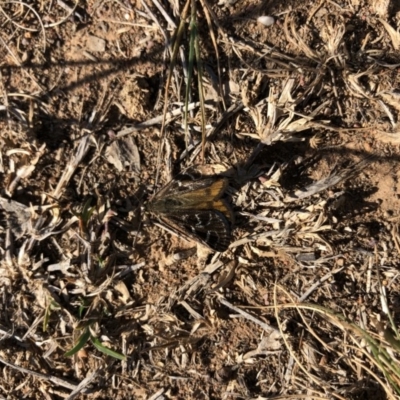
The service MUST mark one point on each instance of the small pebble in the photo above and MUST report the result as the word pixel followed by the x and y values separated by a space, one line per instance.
pixel 266 20
pixel 94 43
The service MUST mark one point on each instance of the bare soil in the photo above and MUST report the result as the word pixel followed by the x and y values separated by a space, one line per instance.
pixel 302 118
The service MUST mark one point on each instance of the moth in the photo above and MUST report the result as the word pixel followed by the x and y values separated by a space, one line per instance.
pixel 194 207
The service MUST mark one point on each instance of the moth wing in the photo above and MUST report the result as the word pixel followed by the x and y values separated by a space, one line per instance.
pixel 212 190
pixel 182 185
pixel 211 227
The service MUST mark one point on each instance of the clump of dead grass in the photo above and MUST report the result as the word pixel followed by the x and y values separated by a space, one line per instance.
pixel 67 267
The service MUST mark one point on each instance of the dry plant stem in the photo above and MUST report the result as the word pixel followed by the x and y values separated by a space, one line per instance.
pixel 25 171
pixel 394 35
pixel 200 90
pixel 314 11
pixel 178 38
pixel 334 179
pixel 157 395
pixel 246 315
pixel 191 311
pixel 113 21
pixel 379 355
pixel 306 233
pixel 166 16
pixel 156 120
pixel 71 11
pixel 7 335
pixel 361 364
pixel 312 377
pixel 53 379
pixel 208 12
pixel 256 236
pixel 232 110
pixel 52 25
pixel 9 248
pixel 286 62
pixel 226 278
pixel 81 152
pixel 167 43
pixel 198 282
pixel 81 387
pixel 289 370
pixel 297 40
pixel 19 63
pixel 384 303
pixel 5 108
pixel 32 328
pixel 128 269
pixel 319 283
pixel 22 27
pixel 193 286
pixel 31 241
pixel 396 237
pixel 154 18
pixel 189 75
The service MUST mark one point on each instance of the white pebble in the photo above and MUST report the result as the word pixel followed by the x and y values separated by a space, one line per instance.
pixel 266 20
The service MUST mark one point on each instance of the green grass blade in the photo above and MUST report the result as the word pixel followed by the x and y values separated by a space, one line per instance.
pixel 80 343
pixel 53 305
pixel 96 343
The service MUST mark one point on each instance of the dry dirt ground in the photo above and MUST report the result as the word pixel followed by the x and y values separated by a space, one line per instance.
pixel 98 301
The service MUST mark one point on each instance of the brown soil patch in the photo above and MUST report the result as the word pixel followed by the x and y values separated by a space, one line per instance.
pixel 301 117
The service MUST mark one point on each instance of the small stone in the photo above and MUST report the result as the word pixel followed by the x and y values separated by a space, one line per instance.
pixel 93 43
pixel 266 20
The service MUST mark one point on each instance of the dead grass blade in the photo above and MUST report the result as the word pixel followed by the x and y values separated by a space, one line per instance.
pixel 246 315
pixel 200 84
pixel 394 35
pixel 192 39
pixel 379 356
pixel 330 181
pixel 81 152
pixel 24 28
pixel 292 35
pixel 177 39
pixel 53 379
pixel 208 12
